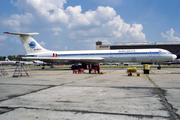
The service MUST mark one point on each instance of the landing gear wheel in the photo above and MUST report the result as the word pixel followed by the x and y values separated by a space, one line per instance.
pixel 98 71
pixel 159 67
pixel 84 66
pixel 130 74
pixel 73 67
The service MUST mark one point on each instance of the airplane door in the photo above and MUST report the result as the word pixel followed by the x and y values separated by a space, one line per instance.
pixel 54 55
pixel 110 57
pixel 152 57
pixel 150 54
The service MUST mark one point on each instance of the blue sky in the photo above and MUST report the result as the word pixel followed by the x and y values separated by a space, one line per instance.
pixel 78 24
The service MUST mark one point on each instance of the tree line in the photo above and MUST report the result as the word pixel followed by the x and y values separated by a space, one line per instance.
pixel 11 57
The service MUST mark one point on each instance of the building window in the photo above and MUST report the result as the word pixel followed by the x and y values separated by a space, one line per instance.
pixel 103 46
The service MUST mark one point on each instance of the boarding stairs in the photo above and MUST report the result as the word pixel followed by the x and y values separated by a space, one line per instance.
pixel 19 70
pixel 3 72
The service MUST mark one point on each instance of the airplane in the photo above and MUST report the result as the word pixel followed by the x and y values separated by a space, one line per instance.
pixel 41 63
pixel 38 62
pixel 7 62
pixel 176 61
pixel 90 57
pixel 26 62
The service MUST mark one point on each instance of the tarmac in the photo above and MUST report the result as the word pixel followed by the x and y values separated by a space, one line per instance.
pixel 58 94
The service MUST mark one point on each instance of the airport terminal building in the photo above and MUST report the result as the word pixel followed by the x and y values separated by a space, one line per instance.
pixel 173 47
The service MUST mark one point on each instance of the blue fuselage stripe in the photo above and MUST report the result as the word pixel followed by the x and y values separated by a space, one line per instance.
pixel 104 54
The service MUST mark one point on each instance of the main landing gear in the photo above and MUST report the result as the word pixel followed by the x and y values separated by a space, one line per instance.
pixel 91 67
pixel 76 67
pixel 95 67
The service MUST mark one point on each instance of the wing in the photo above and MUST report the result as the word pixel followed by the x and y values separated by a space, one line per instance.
pixel 67 59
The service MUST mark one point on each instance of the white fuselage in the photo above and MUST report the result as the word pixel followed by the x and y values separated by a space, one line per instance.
pixel 37 52
pixel 7 62
pixel 129 55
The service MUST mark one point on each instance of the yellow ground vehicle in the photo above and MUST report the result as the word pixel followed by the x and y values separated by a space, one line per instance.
pixel 146 68
pixel 132 70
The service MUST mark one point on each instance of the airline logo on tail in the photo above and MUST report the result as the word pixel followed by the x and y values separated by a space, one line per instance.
pixel 32 44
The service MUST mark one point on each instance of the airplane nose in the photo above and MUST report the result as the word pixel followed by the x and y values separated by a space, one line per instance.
pixel 174 57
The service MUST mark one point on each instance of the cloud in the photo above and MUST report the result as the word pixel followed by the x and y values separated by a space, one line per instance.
pixel 16 22
pixel 66 48
pixel 49 10
pixel 118 28
pixel 3 38
pixel 89 19
pixel 11 1
pixel 42 43
pixel 93 40
pixel 170 35
pixel 56 30
pixel 115 29
pixel 101 23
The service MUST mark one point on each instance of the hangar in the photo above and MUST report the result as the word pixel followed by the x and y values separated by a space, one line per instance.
pixel 173 47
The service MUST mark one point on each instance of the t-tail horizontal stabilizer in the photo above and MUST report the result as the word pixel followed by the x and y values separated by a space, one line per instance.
pixel 22 34
pixel 30 44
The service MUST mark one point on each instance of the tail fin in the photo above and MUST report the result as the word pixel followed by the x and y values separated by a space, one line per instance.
pixel 30 45
pixel 6 59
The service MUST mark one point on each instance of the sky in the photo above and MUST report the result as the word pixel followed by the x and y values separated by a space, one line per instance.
pixel 77 24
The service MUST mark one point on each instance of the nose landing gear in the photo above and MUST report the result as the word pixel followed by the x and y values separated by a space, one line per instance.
pixel 159 67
